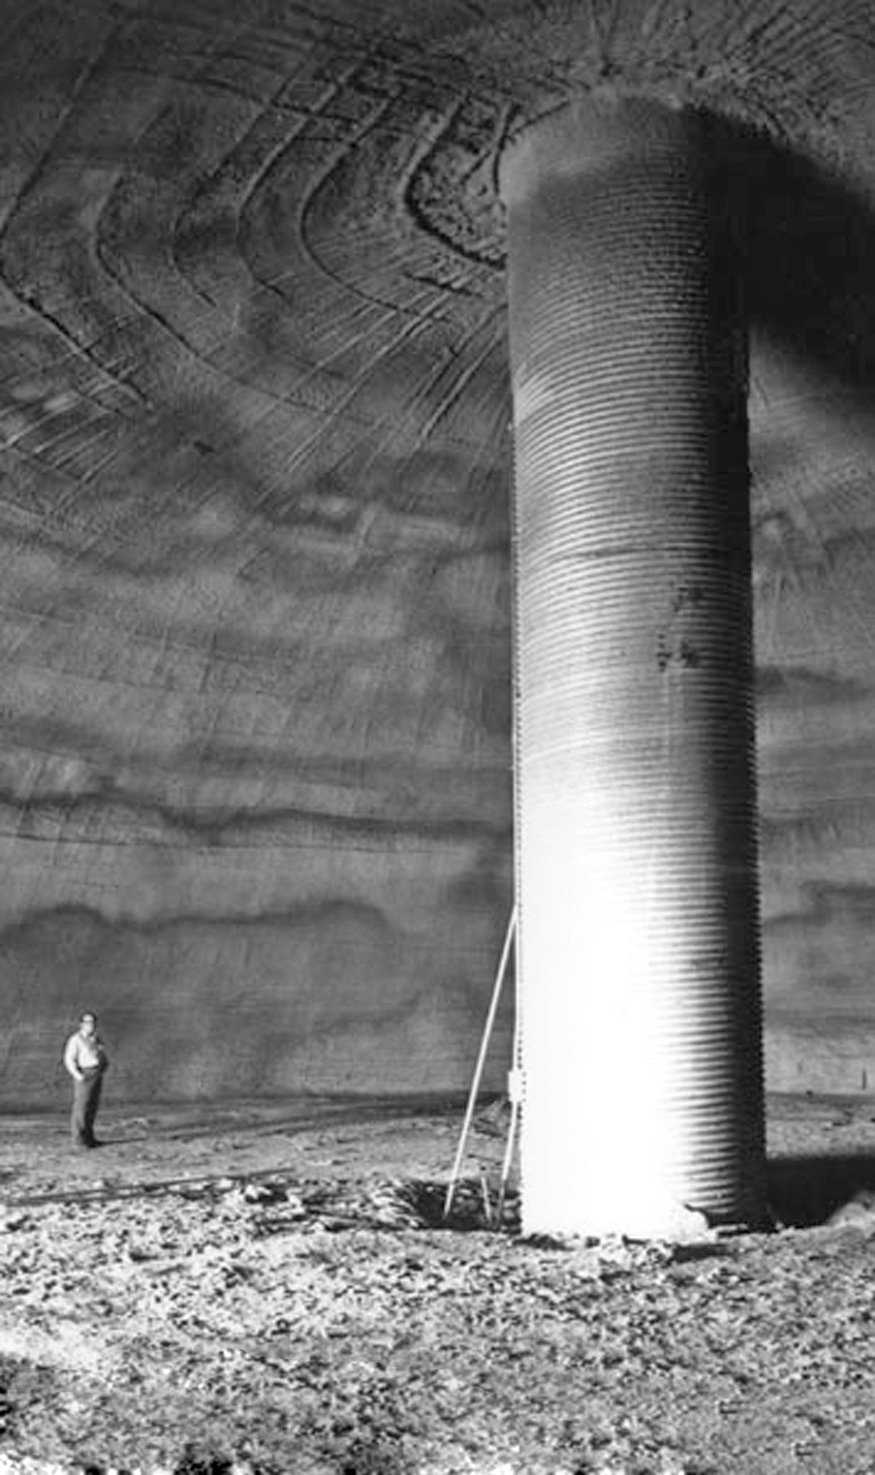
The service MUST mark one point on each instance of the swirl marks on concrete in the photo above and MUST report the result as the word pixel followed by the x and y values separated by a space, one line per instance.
pixel 254 464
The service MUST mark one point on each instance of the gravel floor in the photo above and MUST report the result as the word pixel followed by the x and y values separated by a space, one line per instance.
pixel 252 1292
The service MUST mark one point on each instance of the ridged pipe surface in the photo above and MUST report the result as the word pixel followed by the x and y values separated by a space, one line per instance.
pixel 637 887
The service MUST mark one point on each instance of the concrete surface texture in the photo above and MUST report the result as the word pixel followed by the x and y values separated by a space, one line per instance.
pixel 255 455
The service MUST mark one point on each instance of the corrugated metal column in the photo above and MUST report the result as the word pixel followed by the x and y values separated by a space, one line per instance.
pixel 636 834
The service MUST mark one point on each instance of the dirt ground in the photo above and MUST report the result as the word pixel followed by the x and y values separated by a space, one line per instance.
pixel 269 1287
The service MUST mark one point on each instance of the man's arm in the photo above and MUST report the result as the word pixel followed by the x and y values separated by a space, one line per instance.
pixel 71 1059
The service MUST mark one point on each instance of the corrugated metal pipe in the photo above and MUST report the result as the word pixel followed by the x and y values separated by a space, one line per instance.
pixel 637 886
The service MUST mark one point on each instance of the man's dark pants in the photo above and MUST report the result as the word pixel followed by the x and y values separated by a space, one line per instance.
pixel 86 1099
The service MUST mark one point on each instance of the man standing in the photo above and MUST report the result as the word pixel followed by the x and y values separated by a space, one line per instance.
pixel 86 1060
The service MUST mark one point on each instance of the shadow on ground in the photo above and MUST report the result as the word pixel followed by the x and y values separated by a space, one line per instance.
pixel 807 1190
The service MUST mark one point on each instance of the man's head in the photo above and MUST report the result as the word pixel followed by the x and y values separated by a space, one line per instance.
pixel 88 1024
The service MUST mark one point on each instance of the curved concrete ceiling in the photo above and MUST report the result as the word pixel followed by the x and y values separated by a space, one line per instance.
pixel 255 454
